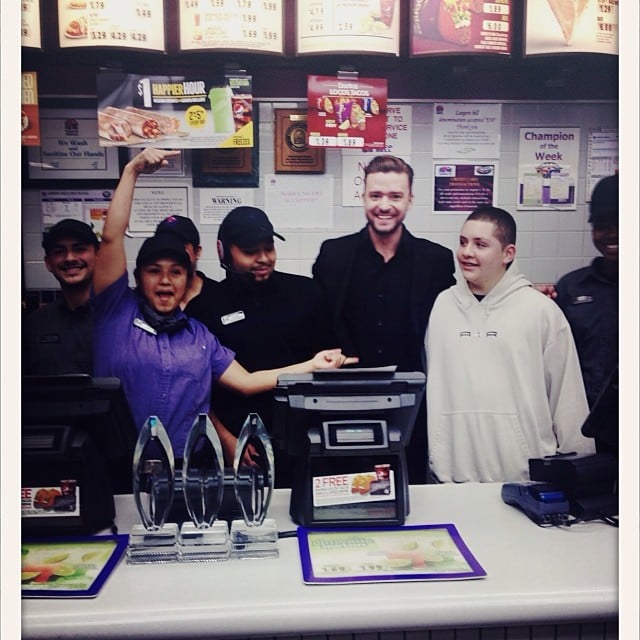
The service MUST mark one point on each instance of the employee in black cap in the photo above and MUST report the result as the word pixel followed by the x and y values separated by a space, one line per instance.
pixel 589 299
pixel 200 288
pixel 57 338
pixel 267 317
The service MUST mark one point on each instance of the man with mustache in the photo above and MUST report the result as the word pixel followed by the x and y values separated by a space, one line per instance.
pixel 269 318
pixel 57 338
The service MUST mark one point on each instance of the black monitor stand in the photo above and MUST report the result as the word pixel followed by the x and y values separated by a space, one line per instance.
pixel 347 433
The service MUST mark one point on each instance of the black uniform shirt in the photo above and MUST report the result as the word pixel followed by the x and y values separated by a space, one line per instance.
pixel 269 325
pixel 589 300
pixel 57 340
pixel 377 308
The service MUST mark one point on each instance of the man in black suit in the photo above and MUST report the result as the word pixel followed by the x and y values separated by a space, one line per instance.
pixel 381 283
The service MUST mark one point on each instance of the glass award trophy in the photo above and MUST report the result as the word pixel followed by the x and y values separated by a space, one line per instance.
pixel 153 485
pixel 255 536
pixel 204 538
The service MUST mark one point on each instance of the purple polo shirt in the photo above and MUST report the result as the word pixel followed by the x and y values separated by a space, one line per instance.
pixel 169 376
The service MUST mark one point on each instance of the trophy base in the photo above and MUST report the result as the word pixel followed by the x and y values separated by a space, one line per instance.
pixel 147 547
pixel 204 545
pixel 254 541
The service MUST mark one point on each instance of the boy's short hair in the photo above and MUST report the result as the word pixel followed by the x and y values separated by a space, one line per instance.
pixel 388 164
pixel 503 220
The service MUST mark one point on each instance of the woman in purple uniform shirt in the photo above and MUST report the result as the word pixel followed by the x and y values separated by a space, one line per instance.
pixel 165 361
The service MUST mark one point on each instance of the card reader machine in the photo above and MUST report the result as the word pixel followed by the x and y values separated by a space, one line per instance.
pixel 347 430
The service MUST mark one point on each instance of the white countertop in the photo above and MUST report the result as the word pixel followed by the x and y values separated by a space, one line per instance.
pixel 534 575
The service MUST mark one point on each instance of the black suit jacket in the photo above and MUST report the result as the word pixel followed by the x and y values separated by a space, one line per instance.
pixel 432 271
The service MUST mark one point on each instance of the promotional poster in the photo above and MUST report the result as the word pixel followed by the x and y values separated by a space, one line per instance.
pixel 175 111
pixel 347 112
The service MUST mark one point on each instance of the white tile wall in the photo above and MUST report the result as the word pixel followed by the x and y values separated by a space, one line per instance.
pixel 550 243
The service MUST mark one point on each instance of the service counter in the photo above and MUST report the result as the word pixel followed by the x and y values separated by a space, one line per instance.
pixel 535 576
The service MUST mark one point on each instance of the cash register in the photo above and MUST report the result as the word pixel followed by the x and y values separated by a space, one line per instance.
pixel 347 430
pixel 77 445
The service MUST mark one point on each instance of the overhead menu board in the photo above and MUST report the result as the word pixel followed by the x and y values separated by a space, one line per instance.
pixel 356 26
pixel 244 25
pixel 461 26
pixel 30 24
pixel 135 24
pixel 571 26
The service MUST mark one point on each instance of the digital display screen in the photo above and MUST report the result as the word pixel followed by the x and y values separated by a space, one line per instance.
pixel 354 434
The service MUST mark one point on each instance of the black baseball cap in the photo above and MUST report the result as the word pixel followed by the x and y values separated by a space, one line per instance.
pixel 163 244
pixel 181 226
pixel 69 227
pixel 246 227
pixel 604 205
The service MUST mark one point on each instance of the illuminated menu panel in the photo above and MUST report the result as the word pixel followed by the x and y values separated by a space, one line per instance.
pixel 134 24
pixel 571 26
pixel 461 26
pixel 357 26
pixel 30 28
pixel 240 25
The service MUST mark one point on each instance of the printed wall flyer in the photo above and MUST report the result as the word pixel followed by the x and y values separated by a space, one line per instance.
pixel 465 130
pixel 347 112
pixel 460 187
pixel 548 167
pixel 175 111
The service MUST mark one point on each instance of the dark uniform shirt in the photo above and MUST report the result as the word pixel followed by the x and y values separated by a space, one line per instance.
pixel 198 305
pixel 269 325
pixel 377 308
pixel 57 340
pixel 589 300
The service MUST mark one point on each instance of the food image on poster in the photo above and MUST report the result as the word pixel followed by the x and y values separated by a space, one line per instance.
pixel 571 26
pixel 451 26
pixel 567 13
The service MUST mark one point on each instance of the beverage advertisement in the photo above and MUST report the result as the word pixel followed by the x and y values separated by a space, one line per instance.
pixel 136 24
pixel 548 167
pixel 242 26
pixel 347 112
pixel 461 26
pixel 175 111
pixel 358 26
pixel 571 26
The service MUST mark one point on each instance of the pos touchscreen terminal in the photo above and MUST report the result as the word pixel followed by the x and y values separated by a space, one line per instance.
pixel 347 430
